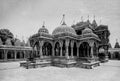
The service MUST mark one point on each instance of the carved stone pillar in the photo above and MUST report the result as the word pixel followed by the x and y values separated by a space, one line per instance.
pixel 72 44
pixel 61 45
pixel 91 50
pixel 77 50
pixel 41 52
pixel 53 52
pixel 67 44
pixel 5 55
pixel 15 54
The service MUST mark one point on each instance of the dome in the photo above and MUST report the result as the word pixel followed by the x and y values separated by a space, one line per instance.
pixel 64 29
pixel 87 31
pixel 43 30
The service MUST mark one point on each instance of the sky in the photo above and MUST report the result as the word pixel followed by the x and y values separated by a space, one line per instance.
pixel 24 17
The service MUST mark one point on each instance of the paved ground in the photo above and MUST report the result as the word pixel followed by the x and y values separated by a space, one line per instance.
pixel 106 72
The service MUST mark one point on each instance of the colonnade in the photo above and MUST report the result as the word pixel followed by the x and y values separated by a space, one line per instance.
pixel 7 54
pixel 69 52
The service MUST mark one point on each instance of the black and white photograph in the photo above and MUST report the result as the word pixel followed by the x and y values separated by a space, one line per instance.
pixel 59 40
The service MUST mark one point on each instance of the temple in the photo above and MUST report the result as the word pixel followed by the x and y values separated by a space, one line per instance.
pixel 83 44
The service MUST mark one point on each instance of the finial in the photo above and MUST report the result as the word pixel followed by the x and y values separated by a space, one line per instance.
pixel 94 17
pixel 73 22
pixel 100 21
pixel 82 18
pixel 22 37
pixel 63 20
pixel 116 40
pixel 88 17
pixel 43 24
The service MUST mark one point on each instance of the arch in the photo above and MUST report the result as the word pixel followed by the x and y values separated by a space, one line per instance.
pixel 47 49
pixel 75 49
pixel 84 50
pixel 57 49
pixel 10 54
pixel 48 42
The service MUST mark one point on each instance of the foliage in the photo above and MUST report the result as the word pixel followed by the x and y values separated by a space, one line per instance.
pixel 5 34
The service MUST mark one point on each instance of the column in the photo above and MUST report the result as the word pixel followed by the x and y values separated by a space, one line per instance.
pixel 61 51
pixel 5 55
pixel 67 44
pixel 91 51
pixel 77 50
pixel 53 54
pixel 72 44
pixel 41 52
pixel 15 52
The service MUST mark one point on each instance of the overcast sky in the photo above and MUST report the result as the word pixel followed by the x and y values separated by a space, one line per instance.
pixel 25 17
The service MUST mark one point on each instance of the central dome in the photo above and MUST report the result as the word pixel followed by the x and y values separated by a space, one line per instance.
pixel 64 29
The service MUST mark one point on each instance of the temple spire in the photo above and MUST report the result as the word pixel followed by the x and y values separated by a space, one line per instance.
pixel 88 17
pixel 82 18
pixel 63 20
pixel 94 17
pixel 43 24
pixel 116 40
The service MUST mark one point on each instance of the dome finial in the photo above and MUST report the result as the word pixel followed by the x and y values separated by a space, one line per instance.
pixel 88 17
pixel 22 38
pixel 94 17
pixel 63 20
pixel 100 21
pixel 116 40
pixel 82 18
pixel 43 24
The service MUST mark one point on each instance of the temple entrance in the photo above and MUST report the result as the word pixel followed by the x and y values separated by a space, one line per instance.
pixel 84 50
pixel 10 54
pixel 75 49
pixel 47 49
pixel 57 49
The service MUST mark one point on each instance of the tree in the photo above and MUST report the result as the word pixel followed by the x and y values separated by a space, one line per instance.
pixel 5 34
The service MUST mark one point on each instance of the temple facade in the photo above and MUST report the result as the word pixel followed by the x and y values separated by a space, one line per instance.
pixel 79 43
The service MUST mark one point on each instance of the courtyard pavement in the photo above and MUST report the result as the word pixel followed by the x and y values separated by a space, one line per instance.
pixel 109 71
